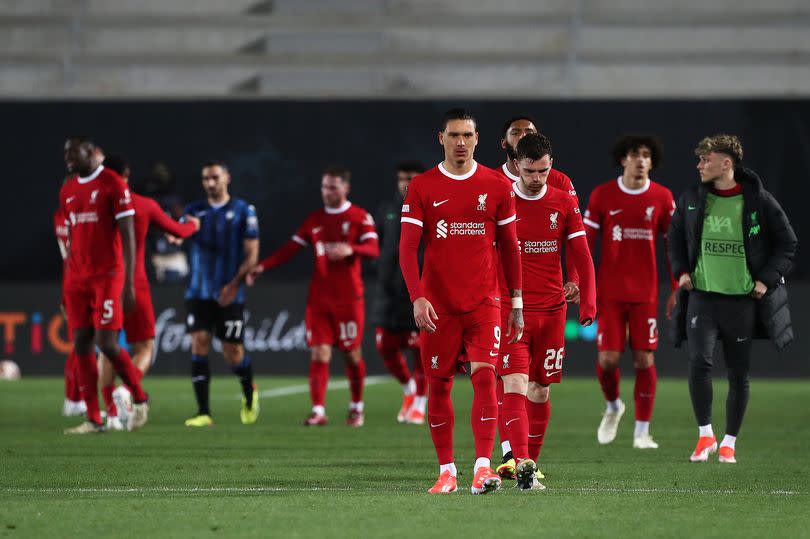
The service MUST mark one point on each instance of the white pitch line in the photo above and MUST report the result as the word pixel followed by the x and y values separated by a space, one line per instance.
pixel 304 388
pixel 214 490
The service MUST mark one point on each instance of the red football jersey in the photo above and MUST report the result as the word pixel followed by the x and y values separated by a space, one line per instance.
pixel 148 211
pixel 558 180
pixel 630 220
pixel 544 224
pixel 93 206
pixel 336 282
pixel 459 216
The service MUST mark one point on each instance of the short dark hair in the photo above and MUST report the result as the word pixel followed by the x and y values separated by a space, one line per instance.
pixel 411 166
pixel 457 114
pixel 340 171
pixel 82 139
pixel 116 162
pixel 629 143
pixel 514 119
pixel 215 163
pixel 534 146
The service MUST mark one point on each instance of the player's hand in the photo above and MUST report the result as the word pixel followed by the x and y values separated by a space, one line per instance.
pixel 129 299
pixel 228 294
pixel 571 291
pixel 514 325
pixel 173 240
pixel 759 290
pixel 424 315
pixel 192 219
pixel 685 282
pixel 339 251
pixel 672 300
pixel 253 274
pixel 585 323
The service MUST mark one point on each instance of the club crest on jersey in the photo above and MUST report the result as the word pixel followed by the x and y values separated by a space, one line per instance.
pixel 434 362
pixel 93 196
pixel 506 361
pixel 482 202
pixel 553 218
pixel 229 215
pixel 345 228
pixel 649 212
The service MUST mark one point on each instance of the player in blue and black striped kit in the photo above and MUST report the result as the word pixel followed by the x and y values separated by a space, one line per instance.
pixel 222 252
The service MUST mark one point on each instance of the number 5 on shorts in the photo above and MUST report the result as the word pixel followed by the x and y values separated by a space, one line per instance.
pixel 107 312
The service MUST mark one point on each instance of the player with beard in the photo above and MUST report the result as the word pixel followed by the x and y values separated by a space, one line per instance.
pixel 513 130
pixel 101 268
pixel 341 234
pixel 458 209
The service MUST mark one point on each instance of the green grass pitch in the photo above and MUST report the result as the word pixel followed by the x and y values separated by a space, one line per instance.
pixel 278 478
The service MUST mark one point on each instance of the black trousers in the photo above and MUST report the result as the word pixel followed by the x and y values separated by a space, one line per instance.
pixel 730 320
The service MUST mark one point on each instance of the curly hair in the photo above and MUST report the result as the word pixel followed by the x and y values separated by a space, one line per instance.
pixel 727 144
pixel 629 143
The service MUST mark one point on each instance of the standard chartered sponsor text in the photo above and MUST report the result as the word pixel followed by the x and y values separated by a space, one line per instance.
pixel 540 247
pixel 467 229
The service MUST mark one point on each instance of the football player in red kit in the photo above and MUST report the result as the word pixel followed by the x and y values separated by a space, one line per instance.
pixel 458 209
pixel 547 218
pixel 629 213
pixel 139 324
pixel 101 270
pixel 513 130
pixel 341 234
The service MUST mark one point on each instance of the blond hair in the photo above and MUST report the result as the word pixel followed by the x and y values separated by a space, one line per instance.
pixel 727 144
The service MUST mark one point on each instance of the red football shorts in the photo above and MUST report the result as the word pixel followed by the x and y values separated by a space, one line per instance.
pixel 335 325
pixel 95 303
pixel 396 340
pixel 478 332
pixel 139 325
pixel 617 319
pixel 541 350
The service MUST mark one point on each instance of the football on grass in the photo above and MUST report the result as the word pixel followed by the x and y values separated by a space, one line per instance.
pixel 9 370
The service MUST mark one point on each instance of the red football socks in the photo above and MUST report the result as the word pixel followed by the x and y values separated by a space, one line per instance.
pixel 419 375
pixel 609 380
pixel 107 393
pixel 644 392
pixel 394 361
pixel 88 385
pixel 356 373
pixel 501 424
pixel 72 392
pixel 484 415
pixel 318 379
pixel 129 374
pixel 538 423
pixel 516 424
pixel 441 418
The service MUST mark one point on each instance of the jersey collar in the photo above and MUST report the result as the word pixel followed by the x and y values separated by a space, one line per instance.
pixel 457 176
pixel 335 211
pixel 92 176
pixel 509 174
pixel 624 188
pixel 524 196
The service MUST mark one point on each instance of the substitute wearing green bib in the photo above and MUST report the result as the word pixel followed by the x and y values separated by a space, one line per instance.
pixel 721 265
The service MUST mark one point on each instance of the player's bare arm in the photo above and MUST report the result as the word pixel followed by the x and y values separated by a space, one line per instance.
pixel 127 231
pixel 515 325
pixel 230 290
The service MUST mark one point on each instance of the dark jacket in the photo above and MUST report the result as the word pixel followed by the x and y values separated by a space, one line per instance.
pixel 392 305
pixel 770 245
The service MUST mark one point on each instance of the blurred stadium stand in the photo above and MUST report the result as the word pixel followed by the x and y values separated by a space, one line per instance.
pixel 404 48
